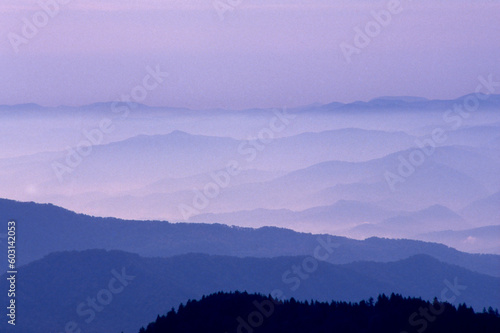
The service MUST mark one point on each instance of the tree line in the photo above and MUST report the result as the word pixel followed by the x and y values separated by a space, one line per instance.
pixel 240 312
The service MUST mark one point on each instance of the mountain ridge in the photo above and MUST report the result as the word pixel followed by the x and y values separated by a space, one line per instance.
pixel 151 286
pixel 42 229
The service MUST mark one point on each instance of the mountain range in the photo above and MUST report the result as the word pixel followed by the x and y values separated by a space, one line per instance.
pixel 43 229
pixel 112 291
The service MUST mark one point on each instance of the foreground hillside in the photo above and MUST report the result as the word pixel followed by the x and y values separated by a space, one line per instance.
pixel 99 291
pixel 241 312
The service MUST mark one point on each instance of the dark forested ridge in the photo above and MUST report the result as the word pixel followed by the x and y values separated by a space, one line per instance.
pixel 60 286
pixel 248 313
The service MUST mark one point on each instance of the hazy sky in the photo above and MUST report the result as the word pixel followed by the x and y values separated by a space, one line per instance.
pixel 263 53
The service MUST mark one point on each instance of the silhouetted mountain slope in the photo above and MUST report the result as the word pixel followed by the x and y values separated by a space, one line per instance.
pixel 42 229
pixel 403 104
pixel 178 154
pixel 486 209
pixel 343 212
pixel 416 276
pixel 130 290
pixel 474 136
pixel 441 178
pixel 243 312
pixel 470 240
pixel 411 224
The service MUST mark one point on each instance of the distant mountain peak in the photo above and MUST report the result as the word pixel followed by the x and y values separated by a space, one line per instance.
pixel 179 133
pixel 21 106
pixel 407 99
pixel 438 211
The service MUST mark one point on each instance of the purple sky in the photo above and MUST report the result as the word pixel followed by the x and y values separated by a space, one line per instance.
pixel 265 53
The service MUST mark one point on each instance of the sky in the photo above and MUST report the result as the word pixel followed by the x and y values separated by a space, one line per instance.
pixel 238 54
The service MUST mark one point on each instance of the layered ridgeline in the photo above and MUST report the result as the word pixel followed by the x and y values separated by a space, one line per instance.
pixel 43 229
pixel 390 167
pixel 216 313
pixel 99 291
pixel 325 172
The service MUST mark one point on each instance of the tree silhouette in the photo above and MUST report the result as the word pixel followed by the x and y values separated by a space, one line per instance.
pixel 254 313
